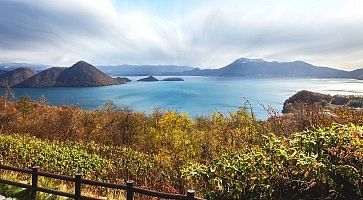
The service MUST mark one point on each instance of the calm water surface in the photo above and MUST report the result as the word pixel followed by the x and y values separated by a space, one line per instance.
pixel 196 95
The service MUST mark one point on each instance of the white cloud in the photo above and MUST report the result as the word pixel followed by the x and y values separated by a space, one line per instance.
pixel 211 33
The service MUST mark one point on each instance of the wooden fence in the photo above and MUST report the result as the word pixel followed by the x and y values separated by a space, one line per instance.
pixel 79 181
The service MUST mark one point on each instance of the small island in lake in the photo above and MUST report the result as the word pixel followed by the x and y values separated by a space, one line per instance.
pixel 173 79
pixel 148 79
pixel 123 79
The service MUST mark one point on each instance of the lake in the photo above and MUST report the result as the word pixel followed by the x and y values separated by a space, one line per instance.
pixel 196 95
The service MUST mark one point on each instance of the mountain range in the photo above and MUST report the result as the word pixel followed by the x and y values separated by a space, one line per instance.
pixel 12 66
pixel 256 68
pixel 357 74
pixel 143 70
pixel 83 74
pixel 242 67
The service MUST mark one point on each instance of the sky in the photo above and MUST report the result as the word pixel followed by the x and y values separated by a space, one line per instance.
pixel 199 33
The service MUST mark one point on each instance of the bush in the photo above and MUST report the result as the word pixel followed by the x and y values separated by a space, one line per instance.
pixel 339 100
pixel 56 157
pixel 325 163
pixel 356 103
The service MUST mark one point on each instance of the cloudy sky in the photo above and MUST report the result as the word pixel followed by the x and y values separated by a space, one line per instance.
pixel 182 32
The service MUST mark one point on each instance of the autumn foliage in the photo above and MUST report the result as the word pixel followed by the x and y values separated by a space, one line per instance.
pixel 304 154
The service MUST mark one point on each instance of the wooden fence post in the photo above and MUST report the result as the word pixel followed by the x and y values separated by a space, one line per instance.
pixel 130 190
pixel 77 187
pixel 191 195
pixel 34 186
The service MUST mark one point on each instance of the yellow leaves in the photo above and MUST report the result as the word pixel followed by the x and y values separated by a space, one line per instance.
pixel 174 121
pixel 164 157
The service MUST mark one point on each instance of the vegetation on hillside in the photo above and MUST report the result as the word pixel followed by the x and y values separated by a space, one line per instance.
pixel 323 100
pixel 305 154
pixel 326 163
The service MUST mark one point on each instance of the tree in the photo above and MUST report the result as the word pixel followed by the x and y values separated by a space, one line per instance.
pixel 8 95
pixel 109 106
pixel 42 100
pixel 25 105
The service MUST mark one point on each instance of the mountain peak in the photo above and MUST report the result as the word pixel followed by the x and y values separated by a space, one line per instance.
pixel 81 63
pixel 300 62
pixel 83 74
pixel 247 60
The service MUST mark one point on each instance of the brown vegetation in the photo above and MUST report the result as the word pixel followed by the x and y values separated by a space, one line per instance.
pixel 164 142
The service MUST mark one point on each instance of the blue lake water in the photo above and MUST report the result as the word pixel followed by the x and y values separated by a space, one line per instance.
pixel 196 95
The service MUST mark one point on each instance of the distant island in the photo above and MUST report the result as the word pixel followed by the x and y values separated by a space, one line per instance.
pixel 148 79
pixel 173 79
pixel 81 74
pixel 123 79
pixel 153 79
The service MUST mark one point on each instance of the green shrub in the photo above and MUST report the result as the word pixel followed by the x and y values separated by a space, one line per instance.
pixel 356 103
pixel 11 191
pixel 23 151
pixel 311 164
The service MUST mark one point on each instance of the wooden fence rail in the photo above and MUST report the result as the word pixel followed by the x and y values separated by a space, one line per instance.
pixel 79 181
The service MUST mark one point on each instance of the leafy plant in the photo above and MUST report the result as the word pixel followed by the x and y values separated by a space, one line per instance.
pixel 324 163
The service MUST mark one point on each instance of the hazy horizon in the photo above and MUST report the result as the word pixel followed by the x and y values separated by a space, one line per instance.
pixel 186 33
pixel 128 64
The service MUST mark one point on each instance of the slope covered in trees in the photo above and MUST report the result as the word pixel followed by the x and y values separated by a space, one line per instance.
pixel 230 156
